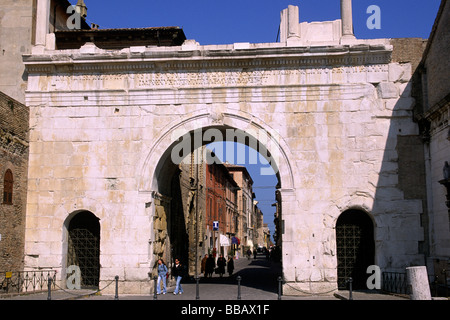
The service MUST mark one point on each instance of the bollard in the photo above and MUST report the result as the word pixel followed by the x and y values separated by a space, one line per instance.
pixel 197 294
pixel 444 272
pixel 417 280
pixel 436 286
pixel 49 281
pixel 116 296
pixel 280 280
pixel 239 287
pixel 350 294
pixel 155 296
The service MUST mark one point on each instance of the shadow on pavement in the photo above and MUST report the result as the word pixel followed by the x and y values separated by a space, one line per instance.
pixel 259 273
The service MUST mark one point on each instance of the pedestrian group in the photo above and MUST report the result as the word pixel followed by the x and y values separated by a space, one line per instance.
pixel 179 271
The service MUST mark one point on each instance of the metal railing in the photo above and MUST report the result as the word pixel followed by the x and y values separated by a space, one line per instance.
pixel 394 282
pixel 26 281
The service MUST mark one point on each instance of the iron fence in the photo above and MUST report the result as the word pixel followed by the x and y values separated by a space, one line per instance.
pixel 394 282
pixel 26 281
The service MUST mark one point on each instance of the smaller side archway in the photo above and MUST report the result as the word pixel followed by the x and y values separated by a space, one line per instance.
pixel 355 247
pixel 83 246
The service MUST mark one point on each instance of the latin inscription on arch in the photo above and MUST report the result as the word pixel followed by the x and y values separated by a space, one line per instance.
pixel 218 78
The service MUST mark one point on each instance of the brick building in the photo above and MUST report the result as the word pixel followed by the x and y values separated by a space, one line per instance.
pixel 13 181
pixel 221 207
pixel 245 197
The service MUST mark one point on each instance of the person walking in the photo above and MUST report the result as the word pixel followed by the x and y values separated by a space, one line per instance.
pixel 203 270
pixel 162 275
pixel 178 272
pixel 230 265
pixel 210 265
pixel 221 263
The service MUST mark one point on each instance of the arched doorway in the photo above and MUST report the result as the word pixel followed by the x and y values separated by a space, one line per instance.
pixel 83 248
pixel 355 248
pixel 185 236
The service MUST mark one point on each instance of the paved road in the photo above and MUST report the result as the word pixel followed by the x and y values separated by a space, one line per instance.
pixel 259 282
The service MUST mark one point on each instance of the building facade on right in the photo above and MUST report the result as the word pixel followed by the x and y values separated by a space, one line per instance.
pixel 244 205
pixel 432 111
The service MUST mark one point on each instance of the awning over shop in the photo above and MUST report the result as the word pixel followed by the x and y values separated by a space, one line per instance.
pixel 224 241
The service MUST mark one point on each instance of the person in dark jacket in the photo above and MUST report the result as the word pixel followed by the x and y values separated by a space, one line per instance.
pixel 230 265
pixel 210 265
pixel 203 270
pixel 178 272
pixel 221 263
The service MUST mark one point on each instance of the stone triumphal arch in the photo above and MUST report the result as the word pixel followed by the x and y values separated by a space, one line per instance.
pixel 102 120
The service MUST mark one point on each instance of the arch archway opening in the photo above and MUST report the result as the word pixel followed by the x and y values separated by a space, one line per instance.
pixel 355 248
pixel 182 145
pixel 83 247
pixel 178 183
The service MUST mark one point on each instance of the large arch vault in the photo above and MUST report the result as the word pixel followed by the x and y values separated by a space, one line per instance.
pixel 160 151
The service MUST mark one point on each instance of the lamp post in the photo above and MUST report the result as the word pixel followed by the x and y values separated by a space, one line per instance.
pixel 195 188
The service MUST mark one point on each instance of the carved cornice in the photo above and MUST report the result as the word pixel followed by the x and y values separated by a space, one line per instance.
pixel 438 116
pixel 175 59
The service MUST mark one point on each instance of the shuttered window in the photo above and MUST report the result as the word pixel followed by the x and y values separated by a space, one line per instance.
pixel 8 187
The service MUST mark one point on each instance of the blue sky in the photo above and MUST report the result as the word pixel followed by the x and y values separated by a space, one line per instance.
pixel 257 21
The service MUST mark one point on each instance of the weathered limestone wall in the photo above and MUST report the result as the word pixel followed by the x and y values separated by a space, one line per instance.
pixel 101 121
pixel 16 36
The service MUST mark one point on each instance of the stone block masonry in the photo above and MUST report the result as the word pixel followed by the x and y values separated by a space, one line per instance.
pixel 104 123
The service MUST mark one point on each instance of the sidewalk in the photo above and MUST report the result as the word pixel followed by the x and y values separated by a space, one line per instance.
pixel 55 295
pixel 367 295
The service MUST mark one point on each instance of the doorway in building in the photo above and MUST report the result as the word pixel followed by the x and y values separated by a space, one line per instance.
pixel 355 248
pixel 84 247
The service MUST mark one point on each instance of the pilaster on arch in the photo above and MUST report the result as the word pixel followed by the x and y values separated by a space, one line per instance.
pixel 236 120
